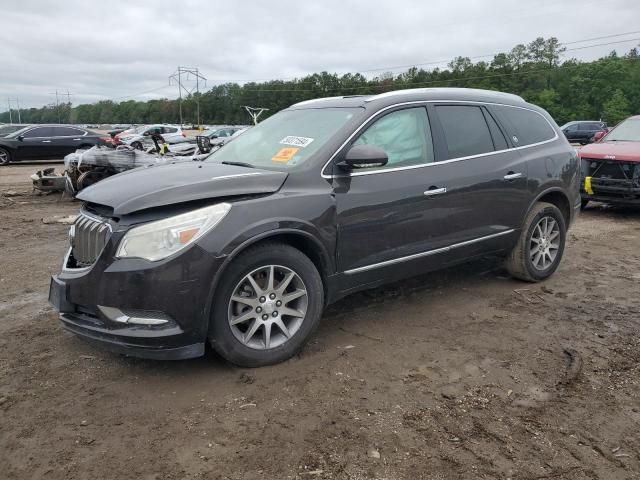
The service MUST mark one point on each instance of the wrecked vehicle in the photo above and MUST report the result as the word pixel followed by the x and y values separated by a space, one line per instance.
pixel 48 181
pixel 611 166
pixel 327 197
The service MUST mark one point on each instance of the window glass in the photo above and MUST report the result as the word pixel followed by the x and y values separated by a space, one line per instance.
pixel 38 132
pixel 465 130
pixel 528 126
pixel 170 129
pixel 499 142
pixel 627 131
pixel 404 135
pixel 287 139
pixel 65 132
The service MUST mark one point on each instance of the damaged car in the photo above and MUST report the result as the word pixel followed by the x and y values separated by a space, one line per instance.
pixel 325 198
pixel 611 166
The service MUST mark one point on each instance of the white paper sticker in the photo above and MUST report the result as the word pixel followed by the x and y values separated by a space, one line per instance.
pixel 296 141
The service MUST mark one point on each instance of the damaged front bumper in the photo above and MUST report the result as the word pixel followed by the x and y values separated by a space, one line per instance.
pixel 124 305
pixel 611 181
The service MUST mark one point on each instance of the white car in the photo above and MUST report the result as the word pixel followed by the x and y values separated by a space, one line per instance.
pixel 142 135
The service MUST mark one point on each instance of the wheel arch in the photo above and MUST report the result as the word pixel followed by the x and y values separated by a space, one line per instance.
pixel 301 240
pixel 555 196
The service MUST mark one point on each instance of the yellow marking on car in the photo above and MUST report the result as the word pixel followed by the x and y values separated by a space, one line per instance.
pixel 587 185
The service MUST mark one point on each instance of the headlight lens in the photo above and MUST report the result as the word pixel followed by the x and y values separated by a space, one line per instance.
pixel 157 240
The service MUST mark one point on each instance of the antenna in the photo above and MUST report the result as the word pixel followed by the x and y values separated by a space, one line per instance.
pixel 255 112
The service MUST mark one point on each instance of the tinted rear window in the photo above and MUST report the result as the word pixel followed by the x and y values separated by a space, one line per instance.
pixel 465 130
pixel 528 126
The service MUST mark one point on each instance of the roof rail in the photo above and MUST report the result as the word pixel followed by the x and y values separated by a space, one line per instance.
pixel 411 91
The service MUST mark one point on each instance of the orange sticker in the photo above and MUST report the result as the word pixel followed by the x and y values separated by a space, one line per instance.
pixel 284 155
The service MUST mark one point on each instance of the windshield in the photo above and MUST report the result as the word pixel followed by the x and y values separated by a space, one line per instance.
pixel 627 131
pixel 285 140
pixel 7 129
pixel 17 133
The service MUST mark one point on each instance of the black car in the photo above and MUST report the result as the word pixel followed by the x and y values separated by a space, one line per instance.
pixel 323 199
pixel 45 142
pixel 582 131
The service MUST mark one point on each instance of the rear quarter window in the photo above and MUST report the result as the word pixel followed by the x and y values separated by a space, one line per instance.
pixel 528 127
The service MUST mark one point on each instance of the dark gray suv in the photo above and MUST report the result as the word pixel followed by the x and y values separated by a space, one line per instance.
pixel 323 199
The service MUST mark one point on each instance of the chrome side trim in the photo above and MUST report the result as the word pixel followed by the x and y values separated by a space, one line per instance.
pixel 432 164
pixel 117 315
pixel 427 253
pixel 236 175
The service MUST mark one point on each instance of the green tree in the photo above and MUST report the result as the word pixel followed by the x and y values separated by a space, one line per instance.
pixel 616 108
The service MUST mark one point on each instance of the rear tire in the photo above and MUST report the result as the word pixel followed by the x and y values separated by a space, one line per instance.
pixel 539 250
pixel 137 145
pixel 5 157
pixel 257 322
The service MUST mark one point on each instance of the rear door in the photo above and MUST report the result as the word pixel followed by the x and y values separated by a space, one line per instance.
pixel 486 179
pixel 65 140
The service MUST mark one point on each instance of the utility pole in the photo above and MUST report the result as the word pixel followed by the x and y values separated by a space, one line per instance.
pixel 9 104
pixel 18 105
pixel 58 95
pixel 57 105
pixel 177 77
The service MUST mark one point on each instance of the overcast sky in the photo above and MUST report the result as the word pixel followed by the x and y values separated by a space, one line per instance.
pixel 120 49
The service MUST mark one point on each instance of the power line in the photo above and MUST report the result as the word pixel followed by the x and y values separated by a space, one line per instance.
pixel 432 82
pixel 475 57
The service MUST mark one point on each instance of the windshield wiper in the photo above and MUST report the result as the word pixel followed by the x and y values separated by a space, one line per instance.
pixel 239 164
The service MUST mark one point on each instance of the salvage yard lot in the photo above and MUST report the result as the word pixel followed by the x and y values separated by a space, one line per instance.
pixel 464 373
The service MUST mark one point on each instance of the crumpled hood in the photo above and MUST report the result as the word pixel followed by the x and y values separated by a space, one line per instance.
pixel 623 151
pixel 161 185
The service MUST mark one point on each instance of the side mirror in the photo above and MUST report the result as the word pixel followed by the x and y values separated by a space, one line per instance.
pixel 20 138
pixel 598 136
pixel 365 156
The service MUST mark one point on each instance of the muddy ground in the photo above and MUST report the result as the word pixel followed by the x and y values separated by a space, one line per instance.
pixel 459 374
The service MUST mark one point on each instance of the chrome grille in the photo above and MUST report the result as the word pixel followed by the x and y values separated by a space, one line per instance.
pixel 88 237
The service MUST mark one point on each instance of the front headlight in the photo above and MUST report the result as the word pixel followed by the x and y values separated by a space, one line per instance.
pixel 157 240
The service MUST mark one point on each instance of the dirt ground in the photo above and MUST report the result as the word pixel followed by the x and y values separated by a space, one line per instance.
pixel 461 374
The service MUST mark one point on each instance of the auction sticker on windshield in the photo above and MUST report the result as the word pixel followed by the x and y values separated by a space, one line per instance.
pixel 296 141
pixel 284 155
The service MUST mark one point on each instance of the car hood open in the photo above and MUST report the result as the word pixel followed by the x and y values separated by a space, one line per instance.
pixel 171 184
pixel 622 151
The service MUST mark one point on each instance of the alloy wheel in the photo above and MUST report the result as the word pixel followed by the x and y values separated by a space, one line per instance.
pixel 267 307
pixel 4 157
pixel 544 243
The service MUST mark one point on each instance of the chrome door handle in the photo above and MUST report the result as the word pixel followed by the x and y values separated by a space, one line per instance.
pixel 46 141
pixel 435 191
pixel 512 176
pixel 76 139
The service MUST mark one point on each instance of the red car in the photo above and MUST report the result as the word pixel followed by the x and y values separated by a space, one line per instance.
pixel 611 166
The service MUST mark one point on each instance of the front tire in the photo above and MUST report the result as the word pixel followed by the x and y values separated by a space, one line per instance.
pixel 5 157
pixel 268 302
pixel 539 250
